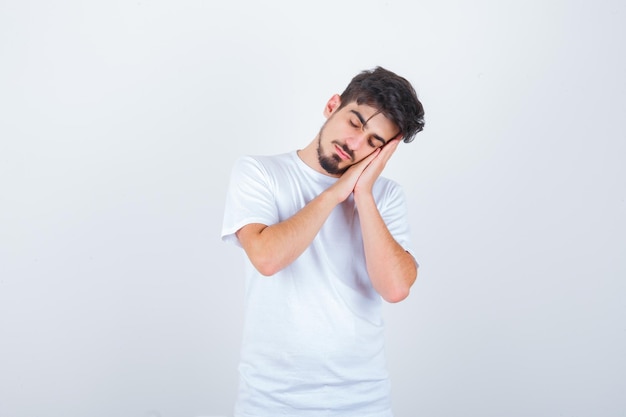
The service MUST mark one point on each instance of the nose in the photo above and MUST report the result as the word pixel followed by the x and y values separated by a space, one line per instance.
pixel 356 140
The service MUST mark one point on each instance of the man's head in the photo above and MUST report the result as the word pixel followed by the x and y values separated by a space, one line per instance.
pixel 377 106
pixel 392 95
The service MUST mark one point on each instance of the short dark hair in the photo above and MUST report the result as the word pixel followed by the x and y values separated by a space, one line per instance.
pixel 392 95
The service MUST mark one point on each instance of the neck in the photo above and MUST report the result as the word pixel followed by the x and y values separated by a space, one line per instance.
pixel 309 156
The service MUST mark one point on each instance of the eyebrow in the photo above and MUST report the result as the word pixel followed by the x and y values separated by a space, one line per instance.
pixel 364 123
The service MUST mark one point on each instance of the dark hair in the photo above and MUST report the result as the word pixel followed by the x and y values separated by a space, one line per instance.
pixel 392 95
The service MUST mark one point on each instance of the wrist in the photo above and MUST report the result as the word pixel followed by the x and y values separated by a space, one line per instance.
pixel 363 197
pixel 330 196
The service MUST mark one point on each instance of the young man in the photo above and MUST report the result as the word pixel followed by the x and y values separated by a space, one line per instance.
pixel 326 237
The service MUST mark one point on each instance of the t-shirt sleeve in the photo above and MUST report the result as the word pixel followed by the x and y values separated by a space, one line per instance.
pixel 249 198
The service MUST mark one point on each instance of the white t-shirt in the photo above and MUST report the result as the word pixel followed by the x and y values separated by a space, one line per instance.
pixel 313 342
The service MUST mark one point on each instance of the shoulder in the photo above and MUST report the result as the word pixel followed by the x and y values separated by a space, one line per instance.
pixel 263 163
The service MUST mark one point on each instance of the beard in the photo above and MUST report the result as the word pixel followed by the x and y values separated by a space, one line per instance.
pixel 331 163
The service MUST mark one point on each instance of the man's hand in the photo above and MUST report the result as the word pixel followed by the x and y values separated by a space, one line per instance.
pixel 346 184
pixel 375 167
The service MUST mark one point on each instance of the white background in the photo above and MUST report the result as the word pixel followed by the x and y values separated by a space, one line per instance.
pixel 119 123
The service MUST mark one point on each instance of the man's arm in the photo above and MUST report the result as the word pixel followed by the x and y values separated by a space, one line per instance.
pixel 271 248
pixel 392 270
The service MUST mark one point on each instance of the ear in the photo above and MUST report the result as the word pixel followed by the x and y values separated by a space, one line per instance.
pixel 332 105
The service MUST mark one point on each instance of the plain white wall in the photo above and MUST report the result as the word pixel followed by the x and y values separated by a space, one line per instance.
pixel 119 122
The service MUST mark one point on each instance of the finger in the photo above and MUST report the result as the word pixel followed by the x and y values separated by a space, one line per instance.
pixel 388 150
pixel 363 163
pixel 392 145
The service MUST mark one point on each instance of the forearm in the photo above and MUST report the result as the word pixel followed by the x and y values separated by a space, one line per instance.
pixel 392 270
pixel 272 248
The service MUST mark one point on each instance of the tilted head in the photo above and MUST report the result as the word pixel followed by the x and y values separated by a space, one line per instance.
pixel 392 95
